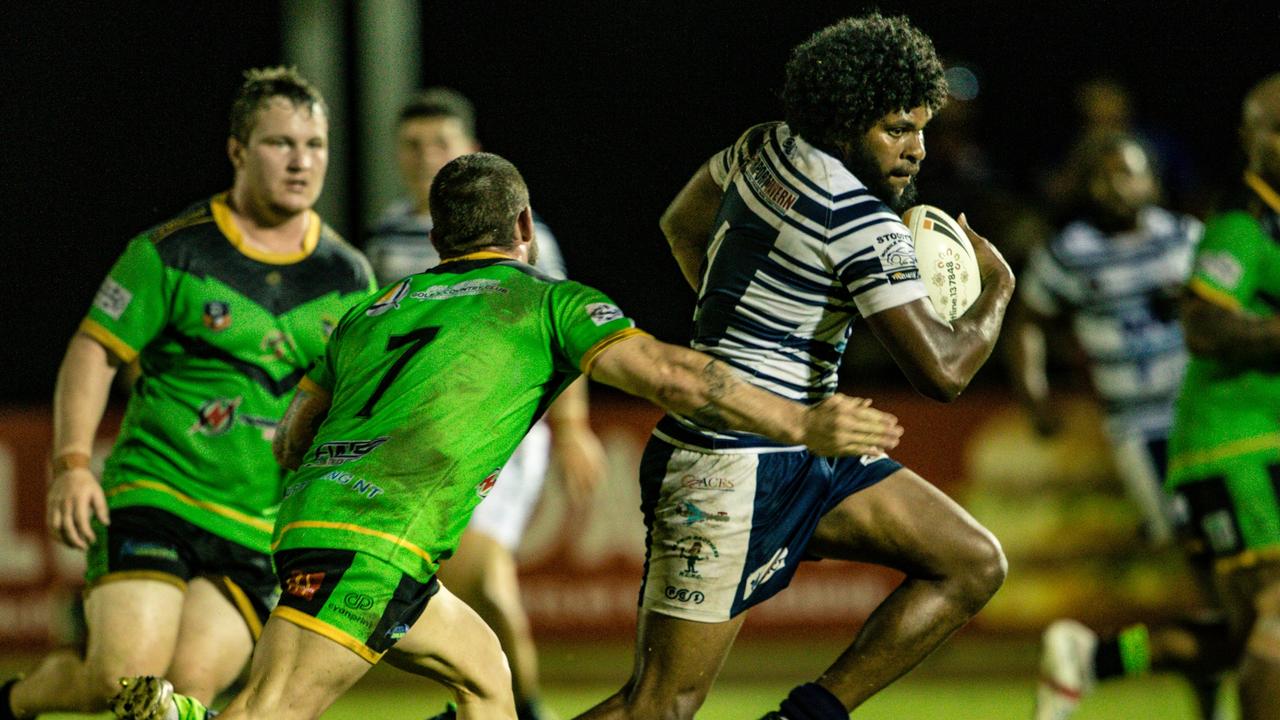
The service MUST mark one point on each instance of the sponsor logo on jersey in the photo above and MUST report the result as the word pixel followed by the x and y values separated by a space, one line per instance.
pixel 602 313
pixel 760 177
pixel 462 289
pixel 357 484
pixel 344 451
pixel 898 276
pixel 112 298
pixel 693 514
pixel 694 482
pixel 684 595
pixel 216 416
pixel 303 584
pixel 217 315
pixel 357 601
pixel 762 574
pixel 276 344
pixel 1221 267
pixel 486 485
pixel 694 549
pixel 390 299
pixel 134 548
pixel 898 251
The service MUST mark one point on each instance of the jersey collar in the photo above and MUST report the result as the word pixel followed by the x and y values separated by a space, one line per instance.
pixel 222 216
pixel 1264 191
pixel 478 255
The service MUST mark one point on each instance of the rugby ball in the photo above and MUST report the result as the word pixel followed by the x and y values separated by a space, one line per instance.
pixel 948 267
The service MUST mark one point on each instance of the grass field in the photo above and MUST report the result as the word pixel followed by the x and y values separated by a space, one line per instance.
pixel 973 678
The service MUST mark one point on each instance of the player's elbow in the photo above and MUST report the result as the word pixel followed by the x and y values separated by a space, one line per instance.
pixel 943 384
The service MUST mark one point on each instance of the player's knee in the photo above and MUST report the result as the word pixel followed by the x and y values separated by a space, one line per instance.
pixel 985 569
pixel 660 701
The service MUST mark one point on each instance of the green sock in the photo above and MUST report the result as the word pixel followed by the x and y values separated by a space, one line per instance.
pixel 1135 649
pixel 189 708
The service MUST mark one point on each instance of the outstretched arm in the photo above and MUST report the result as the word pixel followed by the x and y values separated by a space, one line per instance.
pixel 940 359
pixel 687 224
pixel 299 425
pixel 693 384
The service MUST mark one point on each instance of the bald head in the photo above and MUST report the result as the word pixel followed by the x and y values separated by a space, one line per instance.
pixel 1260 129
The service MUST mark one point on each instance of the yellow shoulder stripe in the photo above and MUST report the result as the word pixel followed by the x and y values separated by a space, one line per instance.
pixel 108 339
pixel 593 353
pixel 1209 293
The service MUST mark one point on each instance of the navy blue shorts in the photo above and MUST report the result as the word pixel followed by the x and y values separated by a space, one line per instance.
pixel 726 529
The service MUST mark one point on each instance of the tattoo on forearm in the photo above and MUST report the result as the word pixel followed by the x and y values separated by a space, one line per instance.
pixel 719 382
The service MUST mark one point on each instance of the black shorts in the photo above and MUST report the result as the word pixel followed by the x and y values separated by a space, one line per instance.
pixel 149 543
pixel 355 599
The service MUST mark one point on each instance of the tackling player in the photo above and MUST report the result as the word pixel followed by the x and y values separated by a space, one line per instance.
pixel 788 236
pixel 435 127
pixel 1224 451
pixel 403 426
pixel 223 307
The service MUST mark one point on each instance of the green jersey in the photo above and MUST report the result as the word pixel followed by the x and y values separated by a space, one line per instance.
pixel 1227 412
pixel 433 384
pixel 222 333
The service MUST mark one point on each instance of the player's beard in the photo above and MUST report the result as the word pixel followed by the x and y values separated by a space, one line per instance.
pixel 866 168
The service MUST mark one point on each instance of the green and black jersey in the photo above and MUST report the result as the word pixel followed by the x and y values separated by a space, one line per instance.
pixel 222 334
pixel 1226 413
pixel 433 385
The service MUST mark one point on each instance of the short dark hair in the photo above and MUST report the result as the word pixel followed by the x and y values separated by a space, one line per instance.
pixel 440 102
pixel 849 75
pixel 475 201
pixel 262 84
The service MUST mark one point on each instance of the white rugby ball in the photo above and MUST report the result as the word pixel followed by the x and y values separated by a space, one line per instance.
pixel 948 267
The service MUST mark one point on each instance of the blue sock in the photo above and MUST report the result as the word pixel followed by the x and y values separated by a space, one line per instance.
pixel 811 701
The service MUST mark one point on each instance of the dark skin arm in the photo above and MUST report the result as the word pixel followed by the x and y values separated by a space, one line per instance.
pixel 298 427
pixel 940 359
pixel 687 224
pixel 1230 335
pixel 1027 365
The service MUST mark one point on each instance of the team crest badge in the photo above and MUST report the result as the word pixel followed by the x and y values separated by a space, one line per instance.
pixel 487 484
pixel 303 584
pixel 216 416
pixel 390 300
pixel 217 315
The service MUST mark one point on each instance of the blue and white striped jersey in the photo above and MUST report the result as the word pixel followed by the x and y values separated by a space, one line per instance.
pixel 398 245
pixel 800 248
pixel 1120 292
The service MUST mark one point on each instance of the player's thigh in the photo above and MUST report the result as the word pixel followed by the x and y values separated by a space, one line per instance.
pixel 132 627
pixel 449 643
pixel 906 523
pixel 214 642
pixel 297 673
pixel 677 661
pixel 482 569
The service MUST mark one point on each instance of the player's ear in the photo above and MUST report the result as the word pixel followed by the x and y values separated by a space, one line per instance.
pixel 235 152
pixel 524 225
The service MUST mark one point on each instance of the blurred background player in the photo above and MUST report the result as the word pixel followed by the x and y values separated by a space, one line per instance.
pixel 1113 276
pixel 224 307
pixel 788 236
pixel 1224 451
pixel 442 376
pixel 434 128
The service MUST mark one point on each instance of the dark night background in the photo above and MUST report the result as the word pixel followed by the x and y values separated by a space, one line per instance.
pixel 115 117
